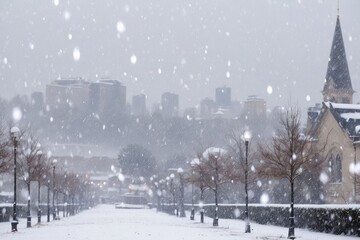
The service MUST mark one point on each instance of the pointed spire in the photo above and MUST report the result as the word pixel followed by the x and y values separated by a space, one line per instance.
pixel 338 8
pixel 337 75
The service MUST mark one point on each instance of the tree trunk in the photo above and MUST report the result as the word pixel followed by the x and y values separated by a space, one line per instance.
pixel 202 208
pixel 28 220
pixel 216 216
pixel 39 208
pixel 292 216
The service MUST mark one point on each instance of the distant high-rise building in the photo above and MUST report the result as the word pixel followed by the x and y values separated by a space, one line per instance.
pixel 107 97
pixel 169 105
pixel 223 97
pixel 37 100
pixel 139 105
pixel 255 114
pixel 190 113
pixel 255 107
pixel 207 108
pixel 65 94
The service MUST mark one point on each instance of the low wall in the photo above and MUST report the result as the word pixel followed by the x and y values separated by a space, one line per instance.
pixel 336 219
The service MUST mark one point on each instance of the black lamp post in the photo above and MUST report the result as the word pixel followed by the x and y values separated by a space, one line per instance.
pixel 168 193
pixel 28 218
pixel 192 214
pixel 14 132
pixel 48 200
pixel 53 190
pixel 247 138
pixel 39 154
pixel 172 191
pixel 162 194
pixel 180 171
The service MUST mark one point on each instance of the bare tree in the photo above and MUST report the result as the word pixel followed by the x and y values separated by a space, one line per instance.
pixel 29 164
pixel 5 159
pixel 239 149
pixel 197 178
pixel 73 182
pixel 288 155
pixel 217 165
pixel 42 171
pixel 238 152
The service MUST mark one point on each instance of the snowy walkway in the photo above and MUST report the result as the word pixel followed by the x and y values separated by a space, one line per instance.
pixel 107 223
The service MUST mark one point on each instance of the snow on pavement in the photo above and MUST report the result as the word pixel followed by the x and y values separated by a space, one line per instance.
pixel 106 222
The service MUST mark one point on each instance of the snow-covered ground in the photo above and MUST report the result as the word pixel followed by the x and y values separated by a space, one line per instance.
pixel 107 223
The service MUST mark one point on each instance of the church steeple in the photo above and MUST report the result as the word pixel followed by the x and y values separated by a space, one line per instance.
pixel 338 86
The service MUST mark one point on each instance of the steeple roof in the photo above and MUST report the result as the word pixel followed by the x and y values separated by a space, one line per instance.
pixel 338 70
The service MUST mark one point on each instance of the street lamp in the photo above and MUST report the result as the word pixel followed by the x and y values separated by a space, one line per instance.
pixel 48 200
pixel 162 194
pixel 247 138
pixel 172 191
pixel 54 162
pixel 14 133
pixel 180 171
pixel 192 214
pixel 39 154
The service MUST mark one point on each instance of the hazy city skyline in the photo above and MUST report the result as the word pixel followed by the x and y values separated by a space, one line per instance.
pixel 277 50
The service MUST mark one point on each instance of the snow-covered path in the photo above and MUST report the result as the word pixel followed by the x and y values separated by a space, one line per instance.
pixel 107 223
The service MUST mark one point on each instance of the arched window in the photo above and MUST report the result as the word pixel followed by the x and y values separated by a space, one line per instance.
pixel 337 169
pixel 331 162
pixel 334 167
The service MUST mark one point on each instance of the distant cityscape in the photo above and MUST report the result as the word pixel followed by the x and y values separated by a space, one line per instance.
pixel 107 96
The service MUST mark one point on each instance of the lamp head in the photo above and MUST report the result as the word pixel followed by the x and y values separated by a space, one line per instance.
pixel 14 133
pixel 247 136
pixel 54 162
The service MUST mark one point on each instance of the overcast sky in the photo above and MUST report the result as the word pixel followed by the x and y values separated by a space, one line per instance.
pixel 188 47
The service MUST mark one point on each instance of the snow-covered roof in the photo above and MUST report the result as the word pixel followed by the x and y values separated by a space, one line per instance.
pixel 213 151
pixel 348 117
pixel 342 105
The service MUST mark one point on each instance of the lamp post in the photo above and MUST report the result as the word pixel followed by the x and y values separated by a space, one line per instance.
pixel 247 138
pixel 39 154
pixel 48 200
pixel 172 191
pixel 168 193
pixel 28 218
pixel 180 171
pixel 192 214
pixel 14 132
pixel 54 162
pixel 162 194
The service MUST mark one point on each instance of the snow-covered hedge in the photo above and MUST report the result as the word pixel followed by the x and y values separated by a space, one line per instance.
pixel 331 219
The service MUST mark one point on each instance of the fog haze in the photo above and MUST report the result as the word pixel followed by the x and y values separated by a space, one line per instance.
pixel 185 47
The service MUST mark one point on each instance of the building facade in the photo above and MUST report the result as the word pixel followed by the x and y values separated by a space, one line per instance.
pixel 67 94
pixel 223 97
pixel 139 105
pixel 169 105
pixel 334 127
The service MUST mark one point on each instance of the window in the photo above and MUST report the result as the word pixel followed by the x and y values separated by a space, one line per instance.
pixel 335 168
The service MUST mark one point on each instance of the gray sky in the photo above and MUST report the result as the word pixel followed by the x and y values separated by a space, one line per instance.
pixel 186 47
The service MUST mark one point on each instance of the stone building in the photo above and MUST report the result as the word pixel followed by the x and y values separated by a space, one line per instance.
pixel 336 125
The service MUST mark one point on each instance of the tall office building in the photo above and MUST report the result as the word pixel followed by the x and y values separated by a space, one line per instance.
pixel 66 94
pixel 255 107
pixel 107 97
pixel 169 105
pixel 37 101
pixel 223 97
pixel 207 108
pixel 139 105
